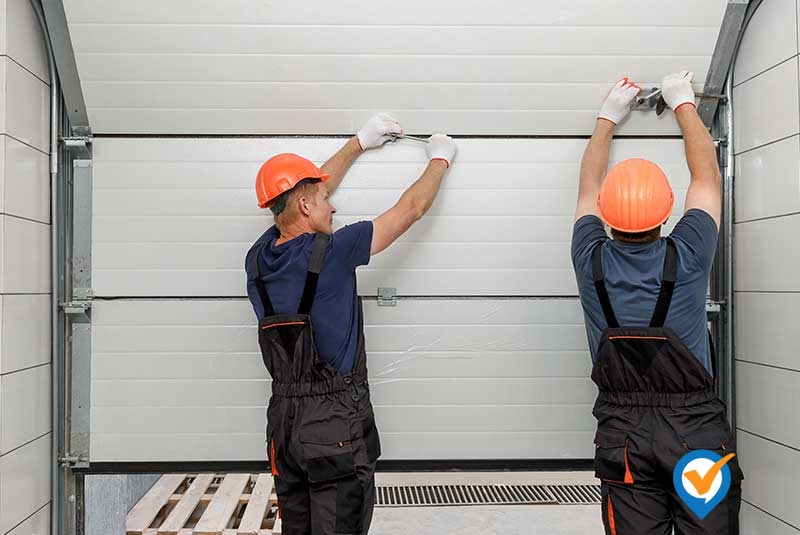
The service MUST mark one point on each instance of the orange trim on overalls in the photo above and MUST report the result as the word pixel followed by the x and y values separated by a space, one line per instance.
pixel 273 466
pixel 265 327
pixel 611 524
pixel 628 476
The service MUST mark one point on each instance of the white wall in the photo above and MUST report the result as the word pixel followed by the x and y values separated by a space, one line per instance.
pixel 25 370
pixel 767 197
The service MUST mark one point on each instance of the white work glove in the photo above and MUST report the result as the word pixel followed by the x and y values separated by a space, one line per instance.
pixel 617 104
pixel 677 89
pixel 441 147
pixel 377 131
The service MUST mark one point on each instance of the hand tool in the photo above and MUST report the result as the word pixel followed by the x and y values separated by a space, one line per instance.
pixel 395 137
pixel 653 99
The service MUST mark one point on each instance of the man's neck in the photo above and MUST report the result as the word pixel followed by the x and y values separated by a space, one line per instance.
pixel 292 231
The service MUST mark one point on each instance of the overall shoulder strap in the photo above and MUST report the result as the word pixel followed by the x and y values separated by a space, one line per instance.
pixel 312 276
pixel 600 286
pixel 668 278
pixel 254 273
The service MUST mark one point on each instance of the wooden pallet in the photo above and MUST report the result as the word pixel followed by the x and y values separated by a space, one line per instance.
pixel 207 504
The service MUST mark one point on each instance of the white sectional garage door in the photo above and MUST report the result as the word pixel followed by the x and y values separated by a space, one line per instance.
pixel 484 356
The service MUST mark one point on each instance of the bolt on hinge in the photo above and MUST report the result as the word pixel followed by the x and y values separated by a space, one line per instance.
pixel 387 297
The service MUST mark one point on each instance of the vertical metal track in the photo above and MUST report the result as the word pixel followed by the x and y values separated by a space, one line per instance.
pixel 729 184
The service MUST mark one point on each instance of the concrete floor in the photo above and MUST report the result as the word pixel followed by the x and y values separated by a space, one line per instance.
pixel 108 498
pixel 480 520
pixel 483 520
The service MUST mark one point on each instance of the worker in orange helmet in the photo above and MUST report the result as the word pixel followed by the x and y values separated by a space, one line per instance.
pixel 322 440
pixel 644 299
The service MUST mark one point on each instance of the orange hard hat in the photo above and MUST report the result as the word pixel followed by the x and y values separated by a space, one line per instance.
pixel 281 173
pixel 635 196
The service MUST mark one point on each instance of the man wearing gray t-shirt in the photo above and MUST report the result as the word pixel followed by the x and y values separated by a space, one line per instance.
pixel 643 297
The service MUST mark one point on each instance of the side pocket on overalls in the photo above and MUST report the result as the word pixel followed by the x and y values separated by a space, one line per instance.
pixel 611 457
pixel 327 450
pixel 716 438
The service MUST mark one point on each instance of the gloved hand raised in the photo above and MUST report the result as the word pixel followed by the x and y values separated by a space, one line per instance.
pixel 441 147
pixel 617 104
pixel 376 131
pixel 677 89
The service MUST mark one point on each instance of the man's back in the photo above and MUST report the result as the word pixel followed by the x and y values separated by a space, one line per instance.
pixel 335 314
pixel 633 278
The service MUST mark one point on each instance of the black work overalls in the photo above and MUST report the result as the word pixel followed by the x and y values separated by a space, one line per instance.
pixel 321 437
pixel 656 403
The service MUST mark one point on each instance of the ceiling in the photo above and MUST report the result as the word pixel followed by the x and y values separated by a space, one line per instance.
pixel 462 67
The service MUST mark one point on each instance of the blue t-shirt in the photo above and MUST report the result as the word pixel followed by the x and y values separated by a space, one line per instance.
pixel 334 314
pixel 633 278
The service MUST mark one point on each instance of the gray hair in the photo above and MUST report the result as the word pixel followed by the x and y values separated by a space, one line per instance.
pixel 279 205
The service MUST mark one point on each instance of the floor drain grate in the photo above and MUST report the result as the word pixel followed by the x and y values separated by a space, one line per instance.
pixel 576 494
pixel 423 495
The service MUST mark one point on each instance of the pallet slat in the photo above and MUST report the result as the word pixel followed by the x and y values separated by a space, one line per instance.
pixel 186 505
pixel 257 506
pixel 144 512
pixel 222 505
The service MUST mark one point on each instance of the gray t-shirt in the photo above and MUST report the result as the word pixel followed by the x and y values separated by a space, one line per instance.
pixel 633 278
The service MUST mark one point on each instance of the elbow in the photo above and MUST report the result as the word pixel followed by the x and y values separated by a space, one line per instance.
pixel 418 210
pixel 415 207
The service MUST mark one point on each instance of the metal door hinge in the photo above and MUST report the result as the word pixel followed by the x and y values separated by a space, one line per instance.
pixel 80 146
pixel 80 304
pixel 387 297
pixel 713 308
pixel 72 460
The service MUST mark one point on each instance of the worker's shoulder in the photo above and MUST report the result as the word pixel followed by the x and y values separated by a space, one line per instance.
pixel 695 237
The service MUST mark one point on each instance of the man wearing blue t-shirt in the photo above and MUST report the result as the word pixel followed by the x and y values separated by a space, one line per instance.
pixel 301 280
pixel 643 297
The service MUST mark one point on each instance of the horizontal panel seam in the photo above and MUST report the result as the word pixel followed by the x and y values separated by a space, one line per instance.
pixel 784 138
pixel 29 517
pixel 773 441
pixel 6 374
pixel 26 69
pixel 765 365
pixel 9 452
pixel 754 506
pixel 793 56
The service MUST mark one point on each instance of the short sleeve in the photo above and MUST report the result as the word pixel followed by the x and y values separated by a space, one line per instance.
pixel 252 292
pixel 588 232
pixel 352 244
pixel 698 231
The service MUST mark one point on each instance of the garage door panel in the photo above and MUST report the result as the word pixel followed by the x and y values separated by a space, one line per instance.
pixel 390 419
pixel 174 217
pixel 253 151
pixel 120 202
pixel 411 364
pixel 582 12
pixel 395 446
pixel 170 369
pixel 440 391
pixel 365 175
pixel 383 40
pixel 211 230
pixel 479 445
pixel 400 256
